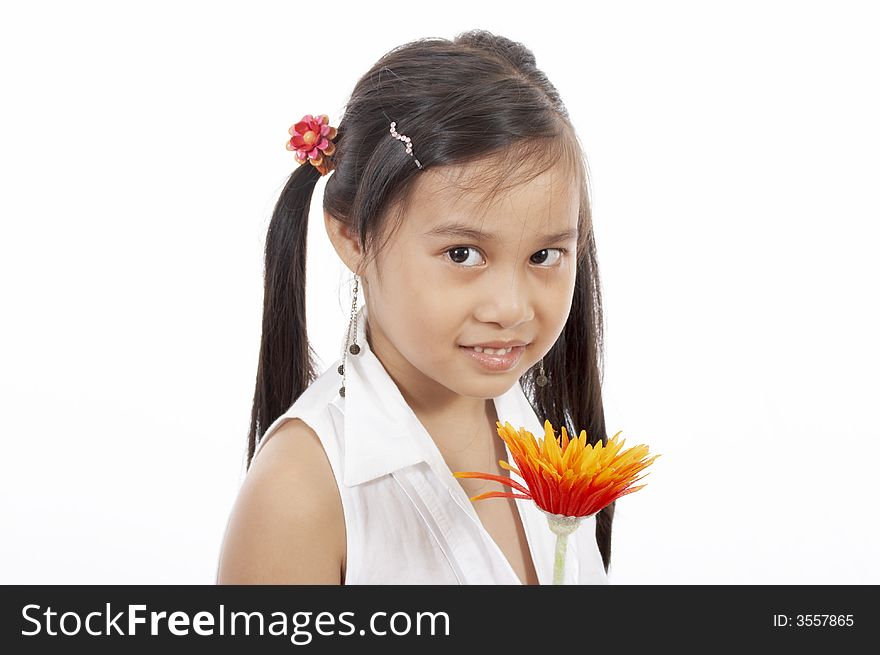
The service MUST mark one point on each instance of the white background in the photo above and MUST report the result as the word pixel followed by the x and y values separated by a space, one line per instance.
pixel 734 157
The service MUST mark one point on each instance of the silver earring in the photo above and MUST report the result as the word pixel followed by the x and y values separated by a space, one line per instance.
pixel 354 349
pixel 541 379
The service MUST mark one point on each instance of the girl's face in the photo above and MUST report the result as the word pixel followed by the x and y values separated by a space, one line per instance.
pixel 455 275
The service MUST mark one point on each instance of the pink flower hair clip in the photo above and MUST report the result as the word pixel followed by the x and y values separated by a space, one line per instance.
pixel 311 139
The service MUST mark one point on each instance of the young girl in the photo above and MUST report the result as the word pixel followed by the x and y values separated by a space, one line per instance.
pixel 459 198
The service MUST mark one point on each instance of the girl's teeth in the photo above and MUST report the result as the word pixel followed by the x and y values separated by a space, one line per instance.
pixel 493 351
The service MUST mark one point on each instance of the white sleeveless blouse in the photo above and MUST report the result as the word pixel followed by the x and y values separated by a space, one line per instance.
pixel 407 519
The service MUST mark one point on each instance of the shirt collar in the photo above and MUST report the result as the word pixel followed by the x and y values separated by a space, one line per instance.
pixel 382 433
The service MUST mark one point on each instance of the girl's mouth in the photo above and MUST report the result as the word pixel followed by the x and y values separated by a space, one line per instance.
pixel 496 362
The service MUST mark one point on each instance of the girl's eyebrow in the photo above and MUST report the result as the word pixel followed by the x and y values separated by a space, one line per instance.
pixel 466 232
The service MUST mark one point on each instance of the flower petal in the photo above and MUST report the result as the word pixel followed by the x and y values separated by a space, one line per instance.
pixel 499 494
pixel 489 476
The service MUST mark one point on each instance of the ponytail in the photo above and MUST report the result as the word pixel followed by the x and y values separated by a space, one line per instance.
pixel 287 362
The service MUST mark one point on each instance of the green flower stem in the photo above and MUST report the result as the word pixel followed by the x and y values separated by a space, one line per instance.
pixel 559 562
pixel 561 526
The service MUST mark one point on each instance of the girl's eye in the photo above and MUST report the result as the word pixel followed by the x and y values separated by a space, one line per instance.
pixel 543 256
pixel 461 254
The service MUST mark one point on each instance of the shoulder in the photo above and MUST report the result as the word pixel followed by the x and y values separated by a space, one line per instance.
pixel 287 524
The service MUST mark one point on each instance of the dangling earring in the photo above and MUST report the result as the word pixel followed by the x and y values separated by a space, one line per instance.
pixel 541 379
pixel 354 349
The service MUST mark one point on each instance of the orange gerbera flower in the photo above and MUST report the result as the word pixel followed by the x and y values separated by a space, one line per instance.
pixel 568 482
pixel 571 479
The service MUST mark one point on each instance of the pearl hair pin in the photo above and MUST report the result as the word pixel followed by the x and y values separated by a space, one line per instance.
pixel 405 139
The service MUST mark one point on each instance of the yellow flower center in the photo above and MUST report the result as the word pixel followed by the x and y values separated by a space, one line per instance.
pixel 310 137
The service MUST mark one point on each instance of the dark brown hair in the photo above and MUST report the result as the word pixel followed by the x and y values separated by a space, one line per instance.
pixel 478 98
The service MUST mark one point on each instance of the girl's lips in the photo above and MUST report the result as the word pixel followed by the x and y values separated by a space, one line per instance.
pixel 495 362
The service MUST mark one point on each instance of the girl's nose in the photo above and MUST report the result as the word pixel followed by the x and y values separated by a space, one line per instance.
pixel 508 304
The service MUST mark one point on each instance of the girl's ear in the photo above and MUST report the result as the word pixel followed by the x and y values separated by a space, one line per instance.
pixel 345 243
